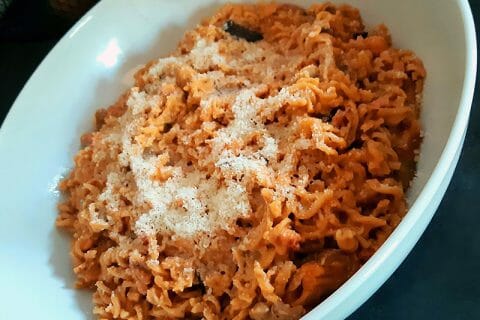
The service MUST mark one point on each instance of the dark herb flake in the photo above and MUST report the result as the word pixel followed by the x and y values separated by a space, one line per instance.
pixel 330 115
pixel 239 31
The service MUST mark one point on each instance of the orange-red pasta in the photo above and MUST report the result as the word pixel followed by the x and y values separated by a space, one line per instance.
pixel 246 179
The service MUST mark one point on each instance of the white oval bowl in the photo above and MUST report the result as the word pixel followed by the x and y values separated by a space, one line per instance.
pixel 90 67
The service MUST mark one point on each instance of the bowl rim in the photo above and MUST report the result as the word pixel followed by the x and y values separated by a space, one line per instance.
pixel 417 217
pixel 421 211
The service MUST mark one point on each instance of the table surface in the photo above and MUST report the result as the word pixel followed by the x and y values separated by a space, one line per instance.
pixel 440 279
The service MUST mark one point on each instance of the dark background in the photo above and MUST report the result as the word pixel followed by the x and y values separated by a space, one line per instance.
pixel 440 279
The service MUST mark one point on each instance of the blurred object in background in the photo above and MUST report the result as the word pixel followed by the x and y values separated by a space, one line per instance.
pixel 3 6
pixel 73 9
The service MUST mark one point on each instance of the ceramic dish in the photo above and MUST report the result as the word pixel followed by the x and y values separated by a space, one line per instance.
pixel 92 65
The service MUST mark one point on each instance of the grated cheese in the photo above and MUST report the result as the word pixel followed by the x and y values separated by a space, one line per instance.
pixel 139 100
pixel 205 54
pixel 111 198
pixel 190 202
pixel 241 164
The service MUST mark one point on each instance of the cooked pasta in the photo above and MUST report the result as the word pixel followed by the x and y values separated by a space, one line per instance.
pixel 250 173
